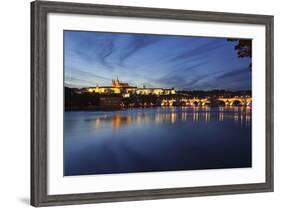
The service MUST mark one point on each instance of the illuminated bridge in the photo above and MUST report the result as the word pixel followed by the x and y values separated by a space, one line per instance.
pixel 234 101
pixel 244 101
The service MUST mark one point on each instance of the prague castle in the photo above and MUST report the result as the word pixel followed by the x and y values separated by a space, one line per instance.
pixel 126 90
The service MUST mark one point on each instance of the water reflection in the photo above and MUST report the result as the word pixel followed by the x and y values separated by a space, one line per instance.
pixel 157 139
pixel 171 115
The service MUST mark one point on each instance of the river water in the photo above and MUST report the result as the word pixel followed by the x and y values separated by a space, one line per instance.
pixel 156 139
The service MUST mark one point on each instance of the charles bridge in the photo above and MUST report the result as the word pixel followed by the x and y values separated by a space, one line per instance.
pixel 233 101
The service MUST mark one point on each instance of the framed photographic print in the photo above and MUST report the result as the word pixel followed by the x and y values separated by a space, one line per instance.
pixel 131 103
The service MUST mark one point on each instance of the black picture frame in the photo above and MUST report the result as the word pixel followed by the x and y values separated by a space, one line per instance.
pixel 39 12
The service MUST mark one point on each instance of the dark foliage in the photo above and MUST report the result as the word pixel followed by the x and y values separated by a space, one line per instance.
pixel 73 99
pixel 216 93
pixel 243 48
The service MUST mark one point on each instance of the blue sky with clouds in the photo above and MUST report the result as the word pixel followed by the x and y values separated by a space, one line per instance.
pixel 182 62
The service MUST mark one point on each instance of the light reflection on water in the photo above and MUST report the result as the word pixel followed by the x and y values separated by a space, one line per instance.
pixel 171 115
pixel 156 139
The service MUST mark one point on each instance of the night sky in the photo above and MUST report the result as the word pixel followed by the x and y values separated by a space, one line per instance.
pixel 182 62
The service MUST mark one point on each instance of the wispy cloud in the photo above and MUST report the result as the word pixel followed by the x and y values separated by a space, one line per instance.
pixel 154 60
pixel 92 75
pixel 197 51
pixel 73 81
pixel 235 73
pixel 135 44
pixel 107 50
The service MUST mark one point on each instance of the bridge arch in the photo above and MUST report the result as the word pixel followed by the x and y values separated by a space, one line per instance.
pixel 236 102
pixel 249 103
pixel 195 102
pixel 221 103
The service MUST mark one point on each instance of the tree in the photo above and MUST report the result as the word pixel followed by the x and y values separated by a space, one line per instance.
pixel 243 48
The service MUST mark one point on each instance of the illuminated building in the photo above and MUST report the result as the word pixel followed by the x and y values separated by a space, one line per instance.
pixel 126 90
